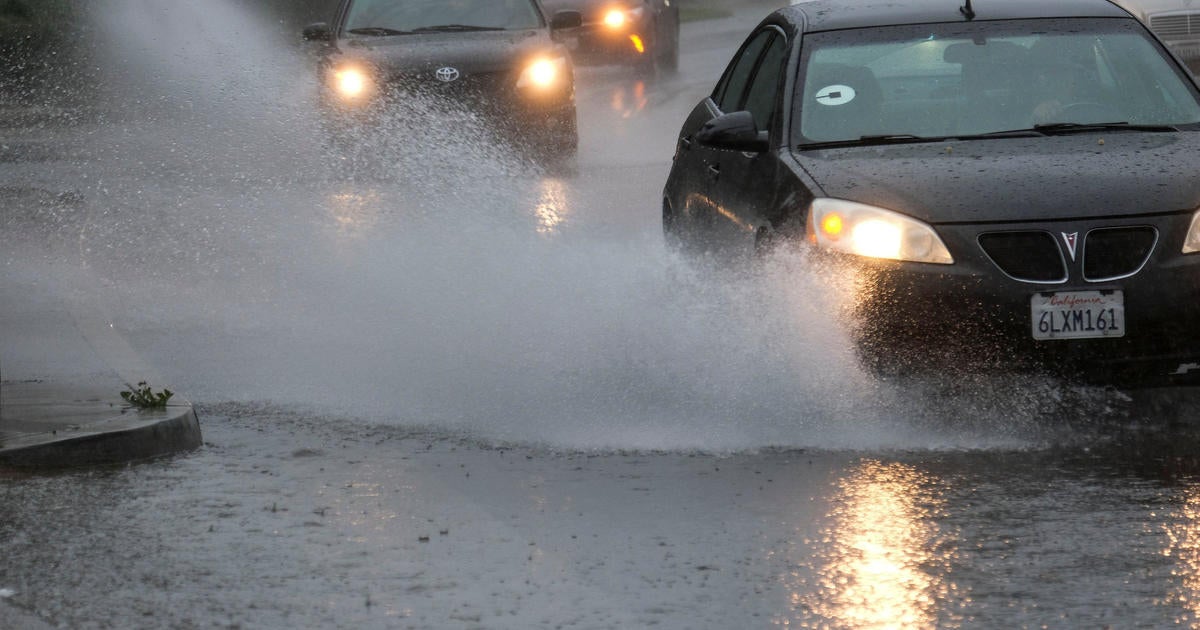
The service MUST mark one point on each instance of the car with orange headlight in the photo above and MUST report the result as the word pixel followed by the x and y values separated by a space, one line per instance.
pixel 497 58
pixel 1001 185
pixel 642 33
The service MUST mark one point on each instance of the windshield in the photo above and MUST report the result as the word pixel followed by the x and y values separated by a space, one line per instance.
pixel 967 79
pixel 384 17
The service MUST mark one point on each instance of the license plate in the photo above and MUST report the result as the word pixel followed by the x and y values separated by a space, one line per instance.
pixel 1078 314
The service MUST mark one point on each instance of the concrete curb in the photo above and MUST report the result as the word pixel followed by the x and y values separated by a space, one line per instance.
pixel 45 427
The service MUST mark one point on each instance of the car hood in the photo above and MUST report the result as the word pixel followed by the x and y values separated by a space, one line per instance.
pixel 1017 179
pixel 470 53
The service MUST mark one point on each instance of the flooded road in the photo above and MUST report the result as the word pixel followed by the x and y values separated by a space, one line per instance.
pixel 283 520
pixel 443 386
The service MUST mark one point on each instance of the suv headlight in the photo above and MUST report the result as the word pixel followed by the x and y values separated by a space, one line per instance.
pixel 617 18
pixel 543 73
pixel 1191 244
pixel 351 83
pixel 856 228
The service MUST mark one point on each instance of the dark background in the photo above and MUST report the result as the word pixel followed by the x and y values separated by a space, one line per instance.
pixel 44 44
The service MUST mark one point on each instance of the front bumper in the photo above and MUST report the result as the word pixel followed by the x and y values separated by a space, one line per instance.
pixel 546 116
pixel 973 315
pixel 596 42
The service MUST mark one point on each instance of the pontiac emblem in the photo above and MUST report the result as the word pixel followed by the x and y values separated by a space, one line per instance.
pixel 447 74
pixel 1071 241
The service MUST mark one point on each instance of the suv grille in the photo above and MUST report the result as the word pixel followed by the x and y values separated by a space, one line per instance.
pixel 1114 253
pixel 472 91
pixel 1026 256
pixel 1175 26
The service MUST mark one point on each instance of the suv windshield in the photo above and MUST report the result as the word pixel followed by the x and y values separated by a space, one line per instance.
pixel 398 17
pixel 947 80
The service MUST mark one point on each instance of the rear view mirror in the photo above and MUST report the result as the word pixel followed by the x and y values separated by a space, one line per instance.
pixel 318 32
pixel 734 131
pixel 566 19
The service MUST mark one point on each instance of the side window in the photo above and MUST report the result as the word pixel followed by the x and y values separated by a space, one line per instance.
pixel 760 97
pixel 728 94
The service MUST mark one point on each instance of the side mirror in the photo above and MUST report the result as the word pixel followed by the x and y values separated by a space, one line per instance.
pixel 318 32
pixel 566 19
pixel 734 131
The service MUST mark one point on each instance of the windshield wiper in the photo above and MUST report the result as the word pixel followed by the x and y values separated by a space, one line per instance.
pixel 1037 130
pixel 452 28
pixel 873 140
pixel 1010 133
pixel 1066 127
pixel 377 31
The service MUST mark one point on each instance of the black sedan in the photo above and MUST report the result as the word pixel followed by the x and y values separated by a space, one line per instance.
pixel 500 58
pixel 641 33
pixel 1009 184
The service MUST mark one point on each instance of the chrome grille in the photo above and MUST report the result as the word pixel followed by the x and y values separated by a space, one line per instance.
pixel 1031 256
pixel 475 91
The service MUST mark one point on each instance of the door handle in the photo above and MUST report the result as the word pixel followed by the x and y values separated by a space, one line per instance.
pixel 714 170
pixel 685 142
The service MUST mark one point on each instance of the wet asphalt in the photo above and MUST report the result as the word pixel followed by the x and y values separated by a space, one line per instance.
pixel 391 441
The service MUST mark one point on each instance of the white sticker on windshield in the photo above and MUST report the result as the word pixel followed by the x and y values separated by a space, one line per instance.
pixel 836 95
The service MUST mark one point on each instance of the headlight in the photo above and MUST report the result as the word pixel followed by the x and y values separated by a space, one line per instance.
pixel 543 73
pixel 855 228
pixel 1191 244
pixel 617 18
pixel 350 83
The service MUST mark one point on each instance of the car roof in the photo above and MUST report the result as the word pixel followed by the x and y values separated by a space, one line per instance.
pixel 828 15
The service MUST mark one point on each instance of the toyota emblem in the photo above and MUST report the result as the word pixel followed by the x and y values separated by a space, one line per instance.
pixel 447 74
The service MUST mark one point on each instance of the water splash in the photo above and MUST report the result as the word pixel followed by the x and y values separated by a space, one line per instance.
pixel 441 279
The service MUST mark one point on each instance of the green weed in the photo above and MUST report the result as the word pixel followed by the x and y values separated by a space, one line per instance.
pixel 143 397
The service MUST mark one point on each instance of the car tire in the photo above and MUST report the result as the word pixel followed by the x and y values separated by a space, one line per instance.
pixel 555 150
pixel 764 241
pixel 565 135
pixel 672 230
pixel 669 57
pixel 646 66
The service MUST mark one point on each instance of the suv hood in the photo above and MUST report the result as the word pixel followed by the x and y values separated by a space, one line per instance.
pixel 1018 179
pixel 470 53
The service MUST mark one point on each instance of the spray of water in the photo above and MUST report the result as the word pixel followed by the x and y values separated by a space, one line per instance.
pixel 436 277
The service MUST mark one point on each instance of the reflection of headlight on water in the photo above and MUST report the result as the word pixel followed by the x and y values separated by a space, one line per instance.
pixel 552 208
pixel 1183 537
pixel 543 73
pixel 886 560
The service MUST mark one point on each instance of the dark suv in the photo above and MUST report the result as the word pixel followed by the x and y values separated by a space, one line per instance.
pixel 499 58
pixel 642 33
pixel 1003 185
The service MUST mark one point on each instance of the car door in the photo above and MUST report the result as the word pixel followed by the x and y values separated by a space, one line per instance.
pixel 692 175
pixel 743 185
